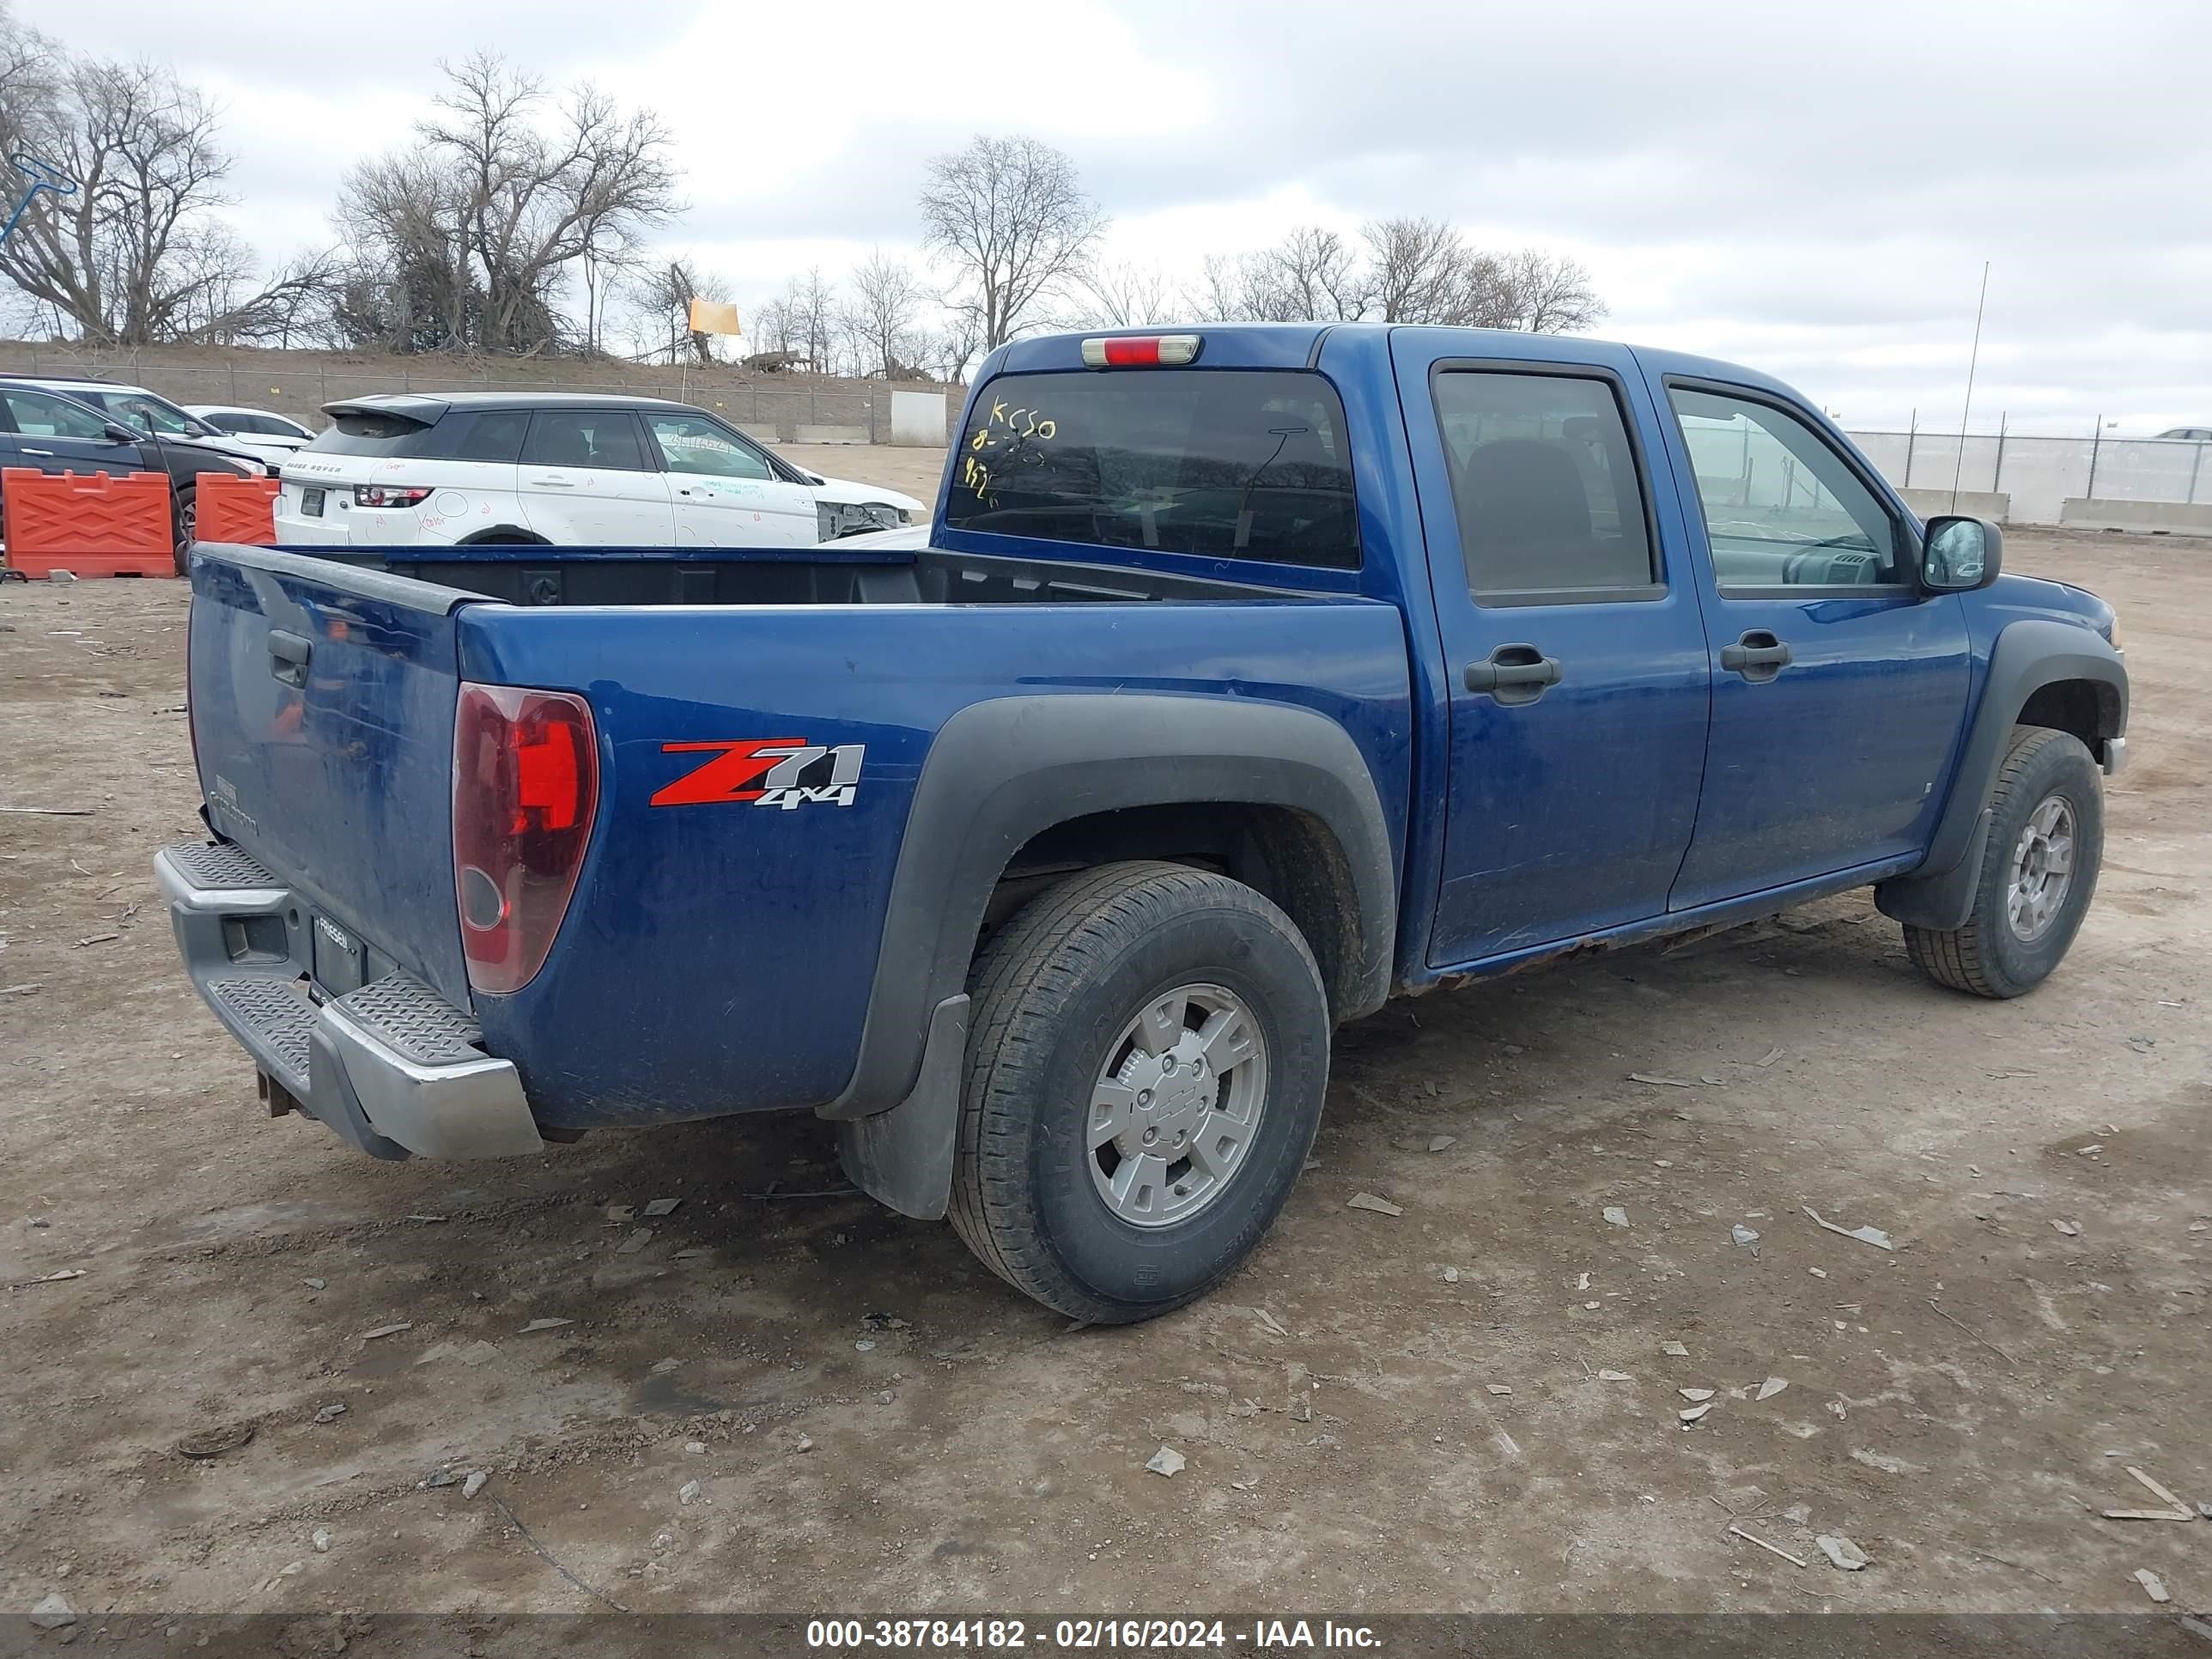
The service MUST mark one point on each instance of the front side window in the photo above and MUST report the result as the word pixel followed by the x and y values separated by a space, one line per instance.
pixel 1782 507
pixel 1545 483
pixel 694 445
pixel 1220 462
pixel 603 438
pixel 38 416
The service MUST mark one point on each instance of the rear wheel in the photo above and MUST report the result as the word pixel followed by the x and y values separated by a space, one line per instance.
pixel 2038 872
pixel 1146 1067
pixel 187 527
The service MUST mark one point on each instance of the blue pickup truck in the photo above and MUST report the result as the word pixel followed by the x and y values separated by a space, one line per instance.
pixel 1244 678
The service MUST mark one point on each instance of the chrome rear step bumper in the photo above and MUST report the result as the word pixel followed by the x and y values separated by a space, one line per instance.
pixel 392 1067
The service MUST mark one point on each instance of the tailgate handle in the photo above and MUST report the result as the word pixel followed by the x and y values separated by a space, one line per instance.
pixel 288 656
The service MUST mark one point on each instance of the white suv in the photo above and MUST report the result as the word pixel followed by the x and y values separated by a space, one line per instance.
pixel 568 469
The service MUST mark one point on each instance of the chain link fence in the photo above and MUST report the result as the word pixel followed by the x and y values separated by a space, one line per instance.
pixel 2040 474
pixel 773 410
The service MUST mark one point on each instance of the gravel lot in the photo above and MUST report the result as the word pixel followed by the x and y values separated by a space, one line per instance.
pixel 1380 1413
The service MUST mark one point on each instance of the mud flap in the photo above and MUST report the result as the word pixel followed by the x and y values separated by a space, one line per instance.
pixel 904 1157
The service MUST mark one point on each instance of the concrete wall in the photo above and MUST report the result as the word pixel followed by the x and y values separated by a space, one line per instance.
pixel 918 419
pixel 2149 518
pixel 804 434
pixel 1973 503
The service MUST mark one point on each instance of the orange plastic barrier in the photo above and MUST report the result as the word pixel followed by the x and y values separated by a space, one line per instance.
pixel 235 509
pixel 93 524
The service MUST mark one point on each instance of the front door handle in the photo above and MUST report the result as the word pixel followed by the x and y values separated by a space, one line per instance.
pixel 1758 656
pixel 1513 674
pixel 288 656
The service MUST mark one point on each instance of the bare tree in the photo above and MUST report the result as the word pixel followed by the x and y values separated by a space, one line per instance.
pixel 136 252
pixel 1313 274
pixel 475 230
pixel 1419 270
pixel 880 318
pixel 1550 293
pixel 1124 295
pixel 1012 215
pixel 812 302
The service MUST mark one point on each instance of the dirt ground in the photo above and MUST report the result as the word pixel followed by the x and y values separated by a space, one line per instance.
pixel 1380 1414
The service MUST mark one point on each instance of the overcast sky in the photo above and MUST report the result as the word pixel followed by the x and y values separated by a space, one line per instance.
pixel 1808 188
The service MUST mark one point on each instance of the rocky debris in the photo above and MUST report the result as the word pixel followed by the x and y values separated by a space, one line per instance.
pixel 804 1443
pixel 388 1330
pixel 1743 1235
pixel 321 1540
pixel 332 1412
pixel 1452 1275
pixel 54 1613
pixel 1694 1413
pixel 1695 1393
pixel 2071 1229
pixel 1842 1552
pixel 1614 1376
pixel 1886 1463
pixel 1370 1201
pixel 316 1284
pixel 474 1483
pixel 544 1325
pixel 662 1206
pixel 695 1448
pixel 1166 1461
pixel 203 1444
pixel 1437 1143
pixel 2154 1586
pixel 1772 1385
pixel 1872 1236
pixel 1615 1216
pixel 440 1477
pixel 688 1492
pixel 1675 1350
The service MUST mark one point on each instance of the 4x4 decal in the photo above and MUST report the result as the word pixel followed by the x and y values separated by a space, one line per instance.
pixel 786 772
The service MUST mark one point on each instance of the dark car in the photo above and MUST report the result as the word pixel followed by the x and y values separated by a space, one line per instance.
pixel 55 433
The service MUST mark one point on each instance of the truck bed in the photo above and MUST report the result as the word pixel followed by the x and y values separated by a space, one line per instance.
pixel 896 567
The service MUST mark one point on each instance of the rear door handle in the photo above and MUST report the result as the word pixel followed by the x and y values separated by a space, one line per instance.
pixel 554 483
pixel 288 656
pixel 1513 674
pixel 1758 656
pixel 28 450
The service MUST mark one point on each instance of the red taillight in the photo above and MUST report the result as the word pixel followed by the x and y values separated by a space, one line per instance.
pixel 526 786
pixel 1140 350
pixel 390 496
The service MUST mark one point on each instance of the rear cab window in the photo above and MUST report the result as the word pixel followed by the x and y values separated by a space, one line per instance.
pixel 1216 463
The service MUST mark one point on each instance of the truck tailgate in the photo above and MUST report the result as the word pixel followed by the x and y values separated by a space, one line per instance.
pixel 322 703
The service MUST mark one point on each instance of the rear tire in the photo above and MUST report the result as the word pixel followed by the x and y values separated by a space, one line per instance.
pixel 187 528
pixel 1063 1046
pixel 2047 809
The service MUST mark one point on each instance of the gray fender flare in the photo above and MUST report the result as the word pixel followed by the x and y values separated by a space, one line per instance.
pixel 1002 772
pixel 2028 655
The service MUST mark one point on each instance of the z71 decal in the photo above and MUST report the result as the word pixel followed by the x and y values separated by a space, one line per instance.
pixel 786 772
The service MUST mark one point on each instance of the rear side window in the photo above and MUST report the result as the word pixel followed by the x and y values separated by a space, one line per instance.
pixel 604 438
pixel 1546 486
pixel 493 434
pixel 1224 464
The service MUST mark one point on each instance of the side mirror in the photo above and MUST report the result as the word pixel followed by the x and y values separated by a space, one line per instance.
pixel 1960 554
pixel 117 432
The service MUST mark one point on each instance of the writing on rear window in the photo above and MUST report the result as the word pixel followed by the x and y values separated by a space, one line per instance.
pixel 1223 464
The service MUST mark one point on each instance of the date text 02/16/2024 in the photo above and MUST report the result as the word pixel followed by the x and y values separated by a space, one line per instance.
pixel 1259 1635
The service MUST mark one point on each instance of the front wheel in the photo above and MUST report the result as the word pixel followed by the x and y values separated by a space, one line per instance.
pixel 2038 872
pixel 1146 1059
